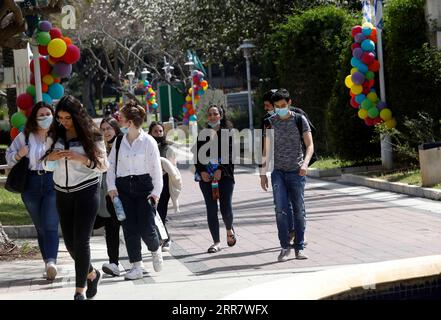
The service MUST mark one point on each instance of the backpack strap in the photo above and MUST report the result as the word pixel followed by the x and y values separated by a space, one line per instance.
pixel 117 145
pixel 299 123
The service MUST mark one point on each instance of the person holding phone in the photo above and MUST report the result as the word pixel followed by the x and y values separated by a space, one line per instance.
pixel 135 176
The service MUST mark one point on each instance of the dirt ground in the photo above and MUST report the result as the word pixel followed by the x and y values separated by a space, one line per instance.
pixel 20 250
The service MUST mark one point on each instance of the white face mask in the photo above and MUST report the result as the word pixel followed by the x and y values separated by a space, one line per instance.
pixel 124 130
pixel 45 121
pixel 214 125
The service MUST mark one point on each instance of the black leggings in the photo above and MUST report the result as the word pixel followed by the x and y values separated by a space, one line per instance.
pixel 111 226
pixel 78 211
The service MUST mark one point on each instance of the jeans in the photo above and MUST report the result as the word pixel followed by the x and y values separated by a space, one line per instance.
pixel 289 188
pixel 140 217
pixel 39 200
pixel 111 226
pixel 226 187
pixel 78 211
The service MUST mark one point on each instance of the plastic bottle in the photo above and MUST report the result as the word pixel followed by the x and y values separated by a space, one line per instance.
pixel 119 210
pixel 215 189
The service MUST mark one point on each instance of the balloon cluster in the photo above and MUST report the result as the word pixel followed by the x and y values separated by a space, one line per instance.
pixel 362 78
pixel 57 56
pixel 199 87
pixel 150 95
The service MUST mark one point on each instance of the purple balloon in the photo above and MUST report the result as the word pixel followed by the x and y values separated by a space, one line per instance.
pixel 358 53
pixel 62 70
pixel 381 105
pixel 357 78
pixel 359 37
pixel 45 26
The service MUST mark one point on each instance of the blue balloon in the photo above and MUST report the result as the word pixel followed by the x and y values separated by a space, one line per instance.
pixel 366 31
pixel 21 129
pixel 368 45
pixel 359 98
pixel 184 110
pixel 47 98
pixel 146 83
pixel 56 91
pixel 193 118
pixel 362 68
pixel 355 62
pixel 155 105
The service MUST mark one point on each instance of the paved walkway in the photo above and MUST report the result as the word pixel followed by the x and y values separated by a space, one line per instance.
pixel 346 225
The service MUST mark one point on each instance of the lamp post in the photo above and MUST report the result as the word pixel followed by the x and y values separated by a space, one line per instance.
pixel 144 74
pixel 193 127
pixel 168 69
pixel 247 46
pixel 190 65
pixel 131 76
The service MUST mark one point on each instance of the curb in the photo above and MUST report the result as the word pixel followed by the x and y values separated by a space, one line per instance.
pixel 324 173
pixel 29 231
pixel 397 187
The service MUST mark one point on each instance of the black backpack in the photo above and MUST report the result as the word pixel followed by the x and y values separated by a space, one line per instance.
pixel 298 113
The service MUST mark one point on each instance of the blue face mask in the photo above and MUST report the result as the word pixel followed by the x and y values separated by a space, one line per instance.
pixel 214 125
pixel 124 130
pixel 282 112
pixel 45 122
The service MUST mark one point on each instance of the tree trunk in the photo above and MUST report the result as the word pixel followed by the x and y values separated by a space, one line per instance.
pixel 4 239
pixel 11 93
pixel 86 94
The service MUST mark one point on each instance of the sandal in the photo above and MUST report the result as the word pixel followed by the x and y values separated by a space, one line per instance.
pixel 214 248
pixel 231 239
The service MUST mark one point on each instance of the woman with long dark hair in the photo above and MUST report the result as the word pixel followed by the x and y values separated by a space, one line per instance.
pixel 217 177
pixel 106 216
pixel 77 155
pixel 39 196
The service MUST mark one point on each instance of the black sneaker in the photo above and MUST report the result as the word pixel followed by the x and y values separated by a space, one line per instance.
pixel 79 296
pixel 92 285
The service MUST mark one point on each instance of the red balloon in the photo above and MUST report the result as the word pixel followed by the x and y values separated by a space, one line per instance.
pixel 45 67
pixel 14 132
pixel 352 94
pixel 57 80
pixel 366 91
pixel 356 30
pixel 354 46
pixel 375 66
pixel 72 54
pixel 371 82
pixel 25 101
pixel 369 122
pixel 366 85
pixel 55 33
pixel 377 120
pixel 43 50
pixel 44 87
pixel 354 103
pixel 368 58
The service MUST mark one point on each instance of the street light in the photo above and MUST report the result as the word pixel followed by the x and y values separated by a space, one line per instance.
pixel 190 65
pixel 168 69
pixel 131 76
pixel 247 46
pixel 144 74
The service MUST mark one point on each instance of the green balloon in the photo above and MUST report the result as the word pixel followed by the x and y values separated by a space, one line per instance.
pixel 370 75
pixel 31 90
pixel 18 120
pixel 373 113
pixel 366 104
pixel 43 38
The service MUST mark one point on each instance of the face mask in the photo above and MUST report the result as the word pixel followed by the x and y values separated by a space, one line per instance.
pixel 271 112
pixel 282 112
pixel 45 122
pixel 124 130
pixel 214 125
pixel 159 139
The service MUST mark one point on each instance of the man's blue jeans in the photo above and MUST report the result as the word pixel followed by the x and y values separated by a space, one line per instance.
pixel 289 188
pixel 39 199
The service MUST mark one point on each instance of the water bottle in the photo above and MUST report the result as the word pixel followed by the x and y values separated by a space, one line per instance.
pixel 119 210
pixel 215 189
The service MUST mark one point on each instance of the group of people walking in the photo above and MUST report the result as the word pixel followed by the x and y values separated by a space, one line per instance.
pixel 78 171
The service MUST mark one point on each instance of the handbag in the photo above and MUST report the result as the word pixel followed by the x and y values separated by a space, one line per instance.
pixel 17 177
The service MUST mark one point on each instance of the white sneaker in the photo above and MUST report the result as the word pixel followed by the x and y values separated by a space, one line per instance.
pixel 300 255
pixel 112 269
pixel 51 271
pixel 157 260
pixel 283 255
pixel 166 246
pixel 134 273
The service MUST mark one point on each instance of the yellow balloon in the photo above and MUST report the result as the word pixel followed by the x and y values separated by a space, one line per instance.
pixel 357 89
pixel 57 48
pixel 368 25
pixel 190 91
pixel 48 79
pixel 386 114
pixel 348 82
pixel 363 114
pixel 353 70
pixel 392 123
pixel 188 98
pixel 372 96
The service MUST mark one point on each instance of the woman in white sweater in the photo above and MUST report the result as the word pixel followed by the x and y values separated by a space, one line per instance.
pixel 135 176
pixel 77 155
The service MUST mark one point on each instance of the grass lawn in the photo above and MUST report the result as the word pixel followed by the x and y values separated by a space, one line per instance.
pixel 412 177
pixel 12 209
pixel 332 163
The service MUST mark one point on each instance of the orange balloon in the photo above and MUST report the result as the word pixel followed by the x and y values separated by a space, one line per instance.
pixel 57 80
pixel 14 132
pixel 44 87
pixel 191 112
pixel 67 40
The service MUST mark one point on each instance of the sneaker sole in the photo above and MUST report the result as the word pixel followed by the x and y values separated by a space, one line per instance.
pixel 51 273
pixel 109 272
pixel 128 279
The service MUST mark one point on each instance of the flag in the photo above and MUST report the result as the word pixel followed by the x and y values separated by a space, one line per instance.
pixel 366 10
pixel 197 63
pixel 378 6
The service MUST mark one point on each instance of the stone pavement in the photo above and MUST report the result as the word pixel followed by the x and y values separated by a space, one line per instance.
pixel 346 225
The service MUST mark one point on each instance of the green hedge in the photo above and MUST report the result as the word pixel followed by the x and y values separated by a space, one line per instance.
pixel 304 55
